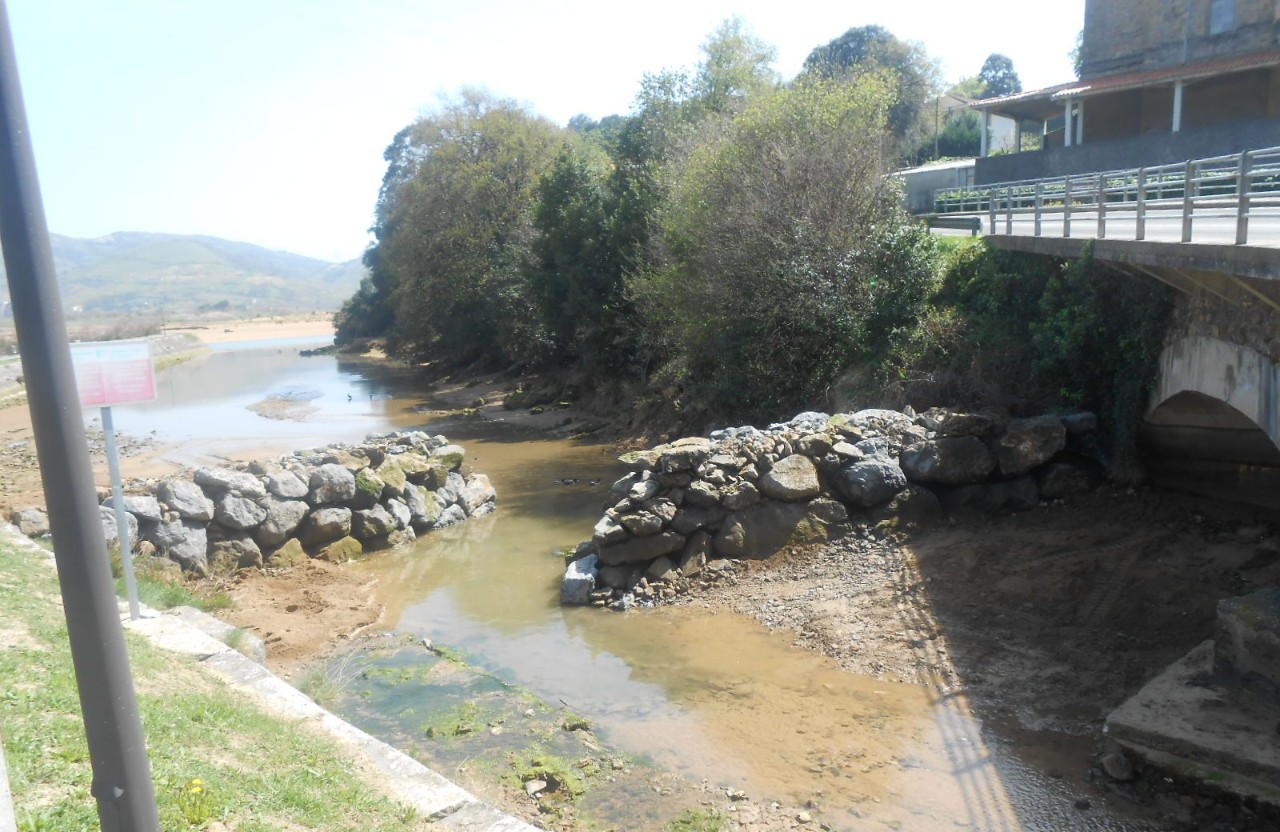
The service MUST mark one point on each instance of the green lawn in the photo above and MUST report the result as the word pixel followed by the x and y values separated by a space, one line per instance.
pixel 218 762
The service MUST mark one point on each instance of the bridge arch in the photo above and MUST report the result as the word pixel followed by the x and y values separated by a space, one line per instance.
pixel 1215 401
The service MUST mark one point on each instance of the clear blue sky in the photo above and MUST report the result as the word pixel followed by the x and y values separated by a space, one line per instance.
pixel 265 120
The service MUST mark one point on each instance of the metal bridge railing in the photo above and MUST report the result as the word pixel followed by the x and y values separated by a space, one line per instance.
pixel 1223 188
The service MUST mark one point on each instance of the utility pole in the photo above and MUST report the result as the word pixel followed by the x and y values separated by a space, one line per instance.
pixel 122 782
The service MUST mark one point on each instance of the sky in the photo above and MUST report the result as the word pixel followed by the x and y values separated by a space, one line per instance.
pixel 265 120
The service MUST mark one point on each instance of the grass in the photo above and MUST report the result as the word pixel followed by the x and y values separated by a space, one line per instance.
pixel 214 756
pixel 708 820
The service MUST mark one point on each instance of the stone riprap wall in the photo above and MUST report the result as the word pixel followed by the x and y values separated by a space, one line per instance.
pixel 746 493
pixel 332 503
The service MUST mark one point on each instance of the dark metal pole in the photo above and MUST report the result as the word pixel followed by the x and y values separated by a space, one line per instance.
pixel 121 773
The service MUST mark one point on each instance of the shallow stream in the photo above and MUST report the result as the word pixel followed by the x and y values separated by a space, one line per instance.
pixel 713 697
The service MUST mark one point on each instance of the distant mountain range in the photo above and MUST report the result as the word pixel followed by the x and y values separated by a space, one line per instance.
pixel 136 272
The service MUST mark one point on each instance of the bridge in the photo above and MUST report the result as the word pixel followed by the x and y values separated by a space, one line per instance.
pixel 1207 227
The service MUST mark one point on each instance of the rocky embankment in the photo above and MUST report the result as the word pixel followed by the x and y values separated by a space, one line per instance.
pixel 332 503
pixel 746 492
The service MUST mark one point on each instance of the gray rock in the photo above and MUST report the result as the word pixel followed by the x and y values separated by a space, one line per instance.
pixel 620 489
pixel 231 553
pixel 661 569
pixel 282 518
pixel 400 512
pixel 662 508
pixel 993 498
pixel 424 511
pixel 451 456
pixel 579 580
pixel 915 506
pixel 1063 479
pixel 847 452
pixel 1030 442
pixel 451 491
pixel 624 576
pixel 1247 638
pixel 641 523
pixel 238 512
pixel 702 493
pixel 142 506
pixel 451 516
pixel 33 522
pixel 814 444
pixel 739 495
pixel 111 530
pixel 875 446
pixel 476 493
pixel 870 482
pixel 644 490
pixel 226 481
pixel 792 478
pixel 639 549
pixel 187 499
pixel 688 520
pixel 982 425
pixel 829 511
pixel 1077 423
pixel 331 483
pixel 684 455
pixel 369 523
pixel 693 559
pixel 185 542
pixel 285 484
pixel 608 531
pixel 949 460
pixel 325 525
pixel 369 488
pixel 764 529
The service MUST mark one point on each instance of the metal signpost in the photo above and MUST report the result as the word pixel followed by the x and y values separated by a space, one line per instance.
pixel 122 785
pixel 110 373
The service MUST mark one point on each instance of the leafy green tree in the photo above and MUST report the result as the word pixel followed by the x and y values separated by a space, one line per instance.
pixel 872 49
pixel 999 77
pixel 788 254
pixel 735 65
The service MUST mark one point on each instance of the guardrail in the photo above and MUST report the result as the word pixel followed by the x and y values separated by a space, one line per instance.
pixel 1235 187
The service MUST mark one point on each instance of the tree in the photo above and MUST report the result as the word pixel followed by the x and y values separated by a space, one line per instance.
pixel 998 77
pixel 1077 54
pixel 735 64
pixel 873 48
pixel 787 255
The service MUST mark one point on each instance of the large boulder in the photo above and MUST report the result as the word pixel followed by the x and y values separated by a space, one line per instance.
pixel 111 529
pixel 226 481
pixel 285 484
pixel 477 493
pixel 341 550
pixel 282 519
pixel 369 523
pixel 1063 479
pixel 1027 443
pixel 689 519
pixel 290 554
pixel 393 477
pixel 451 516
pixel 142 506
pixel 684 455
pixel 450 456
pixel 951 460
pixel 368 489
pixel 637 549
pixel 185 542
pixel 869 482
pixel 762 530
pixel 701 493
pixel 579 580
pixel 400 512
pixel 331 483
pixel 739 495
pixel 993 498
pixel 412 464
pixel 33 522
pixel 608 531
pixel 232 552
pixel 238 512
pixel 792 478
pixel 324 525
pixel 187 499
pixel 423 508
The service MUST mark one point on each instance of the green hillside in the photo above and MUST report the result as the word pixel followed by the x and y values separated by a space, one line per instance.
pixel 135 272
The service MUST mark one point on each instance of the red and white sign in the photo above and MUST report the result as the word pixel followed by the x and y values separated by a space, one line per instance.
pixel 114 372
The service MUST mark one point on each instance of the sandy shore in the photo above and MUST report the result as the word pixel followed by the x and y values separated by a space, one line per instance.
pixel 256 329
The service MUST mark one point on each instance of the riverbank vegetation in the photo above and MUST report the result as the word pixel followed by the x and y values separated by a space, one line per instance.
pixel 734 249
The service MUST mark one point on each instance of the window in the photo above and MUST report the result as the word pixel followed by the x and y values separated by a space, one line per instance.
pixel 1222 16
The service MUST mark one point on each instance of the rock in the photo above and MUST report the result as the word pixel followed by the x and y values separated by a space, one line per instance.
pixel 187 499
pixel 341 550
pixel 477 492
pixel 451 456
pixel 412 464
pixel 579 580
pixel 369 523
pixel 226 481
pixel 1117 766
pixel 399 512
pixel 694 557
pixel 640 460
pixel 33 522
pixel 1027 443
pixel 368 489
pixel 1077 423
pixel 739 495
pixel 325 525
pixel 994 498
pixel 608 531
pixel 662 508
pixel 688 520
pixel 423 508
pixel 983 425
pixel 142 506
pixel 290 554
pixel 644 490
pixel 451 516
pixel 285 484
pixel 679 480
pixel 620 489
pixel 660 570
pixel 238 512
pixel 619 577
pixel 281 520
pixel 875 446
pixel 331 483
pixel 950 460
pixel 814 445
pixel 185 542
pixel 684 455
pixel 912 507
pixel 702 493
pixel 393 477
pixel 764 529
pixel 437 475
pixel 451 491
pixel 847 452
pixel 111 529
pixel 888 423
pixel 1063 479
pixel 237 551
pixel 639 549
pixel 828 511
pixel 792 478
pixel 1247 638
pixel 870 482
pixel 641 523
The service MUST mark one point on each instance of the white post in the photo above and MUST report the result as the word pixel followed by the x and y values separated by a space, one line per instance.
pixel 1080 122
pixel 1177 105
pixel 1067 128
pixel 986 129
pixel 122 520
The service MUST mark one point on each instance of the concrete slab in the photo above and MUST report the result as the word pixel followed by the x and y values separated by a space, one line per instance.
pixel 1201 725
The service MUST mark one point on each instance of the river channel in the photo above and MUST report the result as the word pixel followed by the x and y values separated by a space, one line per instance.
pixel 712 696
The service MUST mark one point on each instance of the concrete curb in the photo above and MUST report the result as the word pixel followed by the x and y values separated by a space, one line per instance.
pixel 186 631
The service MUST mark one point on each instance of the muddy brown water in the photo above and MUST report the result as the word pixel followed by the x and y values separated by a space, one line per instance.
pixel 714 697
